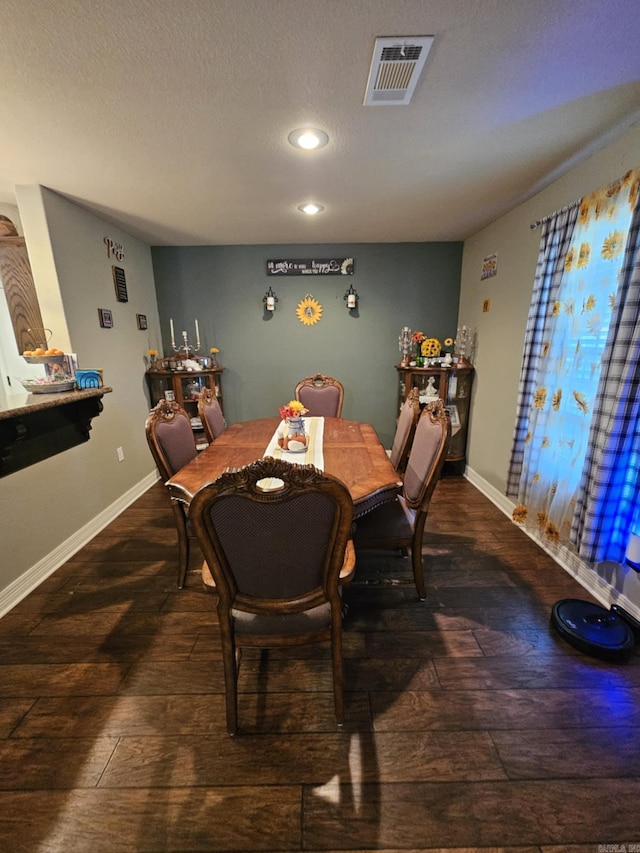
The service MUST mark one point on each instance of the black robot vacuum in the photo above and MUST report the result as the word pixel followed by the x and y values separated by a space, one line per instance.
pixel 592 629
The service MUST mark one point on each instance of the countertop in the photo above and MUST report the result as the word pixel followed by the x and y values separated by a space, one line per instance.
pixel 23 403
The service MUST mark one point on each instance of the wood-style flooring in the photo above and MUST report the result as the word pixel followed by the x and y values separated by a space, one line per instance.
pixel 470 723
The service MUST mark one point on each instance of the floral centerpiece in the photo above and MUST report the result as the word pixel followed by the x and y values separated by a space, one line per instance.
pixel 293 409
pixel 293 436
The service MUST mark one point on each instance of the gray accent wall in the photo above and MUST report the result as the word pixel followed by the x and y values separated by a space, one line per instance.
pixel 264 355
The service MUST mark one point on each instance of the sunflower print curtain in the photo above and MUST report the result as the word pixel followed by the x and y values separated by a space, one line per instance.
pixel 553 427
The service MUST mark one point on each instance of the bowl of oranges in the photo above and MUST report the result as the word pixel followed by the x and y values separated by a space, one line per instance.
pixel 40 355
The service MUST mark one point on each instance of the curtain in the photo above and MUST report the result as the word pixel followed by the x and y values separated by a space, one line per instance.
pixel 569 322
pixel 555 242
pixel 609 493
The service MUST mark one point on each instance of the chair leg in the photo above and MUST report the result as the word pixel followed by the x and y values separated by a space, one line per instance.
pixel 338 672
pixel 231 660
pixel 417 558
pixel 183 542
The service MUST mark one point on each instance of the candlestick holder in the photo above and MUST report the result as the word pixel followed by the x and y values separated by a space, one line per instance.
pixel 187 349
pixel 404 344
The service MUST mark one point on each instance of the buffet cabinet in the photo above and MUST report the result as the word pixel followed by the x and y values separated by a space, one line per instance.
pixel 452 384
pixel 184 386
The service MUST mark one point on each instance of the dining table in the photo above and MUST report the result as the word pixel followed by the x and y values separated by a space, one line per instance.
pixel 351 451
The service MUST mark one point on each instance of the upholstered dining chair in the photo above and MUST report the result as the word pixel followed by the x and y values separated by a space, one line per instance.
pixel 172 445
pixel 274 536
pixel 400 523
pixel 405 428
pixel 321 395
pixel 210 414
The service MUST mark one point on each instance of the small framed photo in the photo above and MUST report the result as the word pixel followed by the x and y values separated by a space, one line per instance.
pixel 141 320
pixel 106 318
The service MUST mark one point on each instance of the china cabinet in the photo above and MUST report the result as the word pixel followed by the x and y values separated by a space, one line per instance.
pixel 174 382
pixel 451 383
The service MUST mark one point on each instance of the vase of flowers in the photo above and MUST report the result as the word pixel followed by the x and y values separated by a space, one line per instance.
pixel 292 415
pixel 417 339
pixel 153 354
pixel 214 351
pixel 447 347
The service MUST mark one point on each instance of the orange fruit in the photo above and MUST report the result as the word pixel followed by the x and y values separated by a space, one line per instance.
pixel 28 352
pixel 38 351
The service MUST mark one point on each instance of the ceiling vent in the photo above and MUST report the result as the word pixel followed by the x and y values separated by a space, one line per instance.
pixel 396 66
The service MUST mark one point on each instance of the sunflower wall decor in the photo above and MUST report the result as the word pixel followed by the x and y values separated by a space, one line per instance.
pixel 309 310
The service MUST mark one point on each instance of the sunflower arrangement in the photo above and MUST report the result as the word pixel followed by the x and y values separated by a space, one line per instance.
pixel 430 348
pixel 293 409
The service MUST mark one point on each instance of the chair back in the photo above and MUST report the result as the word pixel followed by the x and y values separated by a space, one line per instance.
pixel 210 414
pixel 274 536
pixel 405 429
pixel 427 456
pixel 321 395
pixel 170 438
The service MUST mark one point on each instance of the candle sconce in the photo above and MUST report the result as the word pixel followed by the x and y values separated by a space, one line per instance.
pixel 351 298
pixel 270 300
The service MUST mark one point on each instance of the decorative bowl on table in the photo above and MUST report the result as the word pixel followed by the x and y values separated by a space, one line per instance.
pixel 48 386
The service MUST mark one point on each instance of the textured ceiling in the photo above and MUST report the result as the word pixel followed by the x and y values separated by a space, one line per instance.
pixel 170 117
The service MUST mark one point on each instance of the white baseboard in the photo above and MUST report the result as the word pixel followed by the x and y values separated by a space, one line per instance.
pixel 33 577
pixel 585 574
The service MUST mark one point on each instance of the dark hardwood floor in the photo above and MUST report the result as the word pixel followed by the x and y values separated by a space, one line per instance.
pixel 470 722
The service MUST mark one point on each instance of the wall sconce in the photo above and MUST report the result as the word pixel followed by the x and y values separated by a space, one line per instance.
pixel 270 300
pixel 351 297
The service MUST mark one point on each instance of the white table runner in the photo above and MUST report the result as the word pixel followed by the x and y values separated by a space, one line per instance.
pixel 312 455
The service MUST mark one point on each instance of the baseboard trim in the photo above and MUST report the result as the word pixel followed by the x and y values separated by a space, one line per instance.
pixel 33 577
pixel 585 574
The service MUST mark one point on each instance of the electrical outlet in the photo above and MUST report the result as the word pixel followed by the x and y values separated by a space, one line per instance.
pixel 120 453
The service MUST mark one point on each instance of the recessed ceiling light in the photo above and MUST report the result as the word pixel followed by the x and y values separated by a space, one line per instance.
pixel 308 138
pixel 310 208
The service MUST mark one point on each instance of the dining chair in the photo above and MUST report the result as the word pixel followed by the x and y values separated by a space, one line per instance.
pixel 321 395
pixel 172 445
pixel 400 523
pixel 405 428
pixel 274 536
pixel 210 414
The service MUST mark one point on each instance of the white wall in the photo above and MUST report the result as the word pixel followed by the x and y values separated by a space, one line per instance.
pixel 43 507
pixel 501 330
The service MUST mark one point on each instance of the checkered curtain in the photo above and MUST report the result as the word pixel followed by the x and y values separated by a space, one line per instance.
pixel 609 493
pixel 555 242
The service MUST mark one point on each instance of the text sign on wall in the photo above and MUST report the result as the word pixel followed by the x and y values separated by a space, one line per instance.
pixel 120 282
pixel 303 266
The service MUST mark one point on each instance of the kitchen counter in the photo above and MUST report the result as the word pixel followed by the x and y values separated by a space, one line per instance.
pixel 36 426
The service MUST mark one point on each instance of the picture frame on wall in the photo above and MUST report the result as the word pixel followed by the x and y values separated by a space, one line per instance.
pixel 106 318
pixel 141 320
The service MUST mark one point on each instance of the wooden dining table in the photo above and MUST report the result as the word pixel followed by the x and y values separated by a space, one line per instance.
pixel 352 452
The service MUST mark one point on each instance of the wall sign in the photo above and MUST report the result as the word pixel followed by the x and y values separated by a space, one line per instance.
pixel 120 283
pixel 302 266
pixel 141 320
pixel 489 267
pixel 106 318
pixel 114 249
